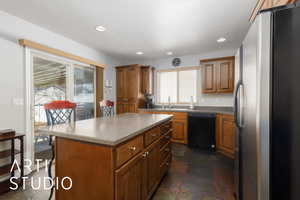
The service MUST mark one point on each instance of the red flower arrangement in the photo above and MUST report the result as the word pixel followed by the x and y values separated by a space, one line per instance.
pixel 60 104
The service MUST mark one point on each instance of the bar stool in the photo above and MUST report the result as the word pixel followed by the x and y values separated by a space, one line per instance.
pixel 58 112
pixel 107 108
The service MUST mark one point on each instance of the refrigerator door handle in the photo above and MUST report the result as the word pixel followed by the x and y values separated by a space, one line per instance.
pixel 237 105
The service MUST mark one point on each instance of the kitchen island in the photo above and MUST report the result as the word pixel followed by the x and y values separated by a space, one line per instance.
pixel 123 157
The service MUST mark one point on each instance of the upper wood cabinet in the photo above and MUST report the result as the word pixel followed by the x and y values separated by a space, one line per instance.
pixel 225 76
pixel 133 81
pixel 147 79
pixel 208 78
pixel 121 73
pixel 267 4
pixel 218 75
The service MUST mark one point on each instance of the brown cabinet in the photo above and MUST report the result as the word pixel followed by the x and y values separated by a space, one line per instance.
pixel 225 134
pixel 267 4
pixel 128 180
pixel 179 123
pixel 208 77
pixel 131 170
pixel 132 82
pixel 218 75
pixel 139 178
pixel 152 167
pixel 128 88
pixel 179 131
pixel 147 79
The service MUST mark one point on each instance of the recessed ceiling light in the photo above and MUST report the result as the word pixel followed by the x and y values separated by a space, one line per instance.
pixel 139 53
pixel 100 28
pixel 221 40
pixel 169 53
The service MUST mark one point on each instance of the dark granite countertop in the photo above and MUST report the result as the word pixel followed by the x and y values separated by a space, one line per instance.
pixel 202 109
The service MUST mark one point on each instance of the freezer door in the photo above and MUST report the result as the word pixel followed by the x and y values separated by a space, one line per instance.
pixel 285 135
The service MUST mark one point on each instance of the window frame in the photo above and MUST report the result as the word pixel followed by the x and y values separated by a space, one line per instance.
pixel 177 70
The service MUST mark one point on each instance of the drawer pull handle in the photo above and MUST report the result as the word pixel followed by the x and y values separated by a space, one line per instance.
pixel 153 135
pixel 167 164
pixel 133 148
pixel 145 154
pixel 167 150
pixel 167 137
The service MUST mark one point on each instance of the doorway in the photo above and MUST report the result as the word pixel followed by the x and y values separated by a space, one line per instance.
pixel 57 79
pixel 49 84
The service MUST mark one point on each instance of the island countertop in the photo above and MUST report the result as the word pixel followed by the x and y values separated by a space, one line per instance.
pixel 109 131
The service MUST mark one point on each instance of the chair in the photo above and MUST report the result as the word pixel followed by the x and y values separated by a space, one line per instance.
pixel 107 108
pixel 58 112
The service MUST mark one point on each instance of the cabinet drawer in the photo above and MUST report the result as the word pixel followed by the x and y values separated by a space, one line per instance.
pixel 164 128
pixel 180 115
pixel 128 150
pixel 152 135
pixel 165 151
pixel 165 139
pixel 165 166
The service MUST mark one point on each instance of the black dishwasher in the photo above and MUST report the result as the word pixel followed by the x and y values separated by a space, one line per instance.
pixel 201 130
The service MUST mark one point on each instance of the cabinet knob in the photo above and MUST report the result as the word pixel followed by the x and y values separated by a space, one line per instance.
pixel 153 135
pixel 133 148
pixel 167 137
pixel 167 149
pixel 167 164
pixel 144 155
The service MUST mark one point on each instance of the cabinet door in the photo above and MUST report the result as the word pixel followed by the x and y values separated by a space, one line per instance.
pixel 131 108
pixel 132 83
pixel 226 135
pixel 208 78
pixel 152 167
pixel 121 84
pixel 277 3
pixel 179 131
pixel 120 108
pixel 129 180
pixel 225 76
pixel 145 80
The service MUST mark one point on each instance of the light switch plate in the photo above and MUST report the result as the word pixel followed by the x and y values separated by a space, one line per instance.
pixel 18 101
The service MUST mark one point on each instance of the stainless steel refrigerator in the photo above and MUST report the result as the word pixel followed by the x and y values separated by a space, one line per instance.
pixel 267 107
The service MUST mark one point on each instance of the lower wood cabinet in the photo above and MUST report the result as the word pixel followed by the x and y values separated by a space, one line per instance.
pixel 152 168
pixel 129 180
pixel 126 107
pixel 225 135
pixel 139 178
pixel 179 131
pixel 179 123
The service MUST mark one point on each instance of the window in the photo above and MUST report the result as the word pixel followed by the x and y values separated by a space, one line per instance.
pixel 179 85
pixel 84 92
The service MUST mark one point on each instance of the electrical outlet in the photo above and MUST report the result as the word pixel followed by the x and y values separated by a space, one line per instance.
pixel 18 101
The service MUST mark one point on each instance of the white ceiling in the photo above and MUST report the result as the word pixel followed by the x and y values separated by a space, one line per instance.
pixel 152 26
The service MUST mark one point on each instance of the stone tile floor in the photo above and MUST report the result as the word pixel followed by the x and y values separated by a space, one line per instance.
pixel 197 175
pixel 194 175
